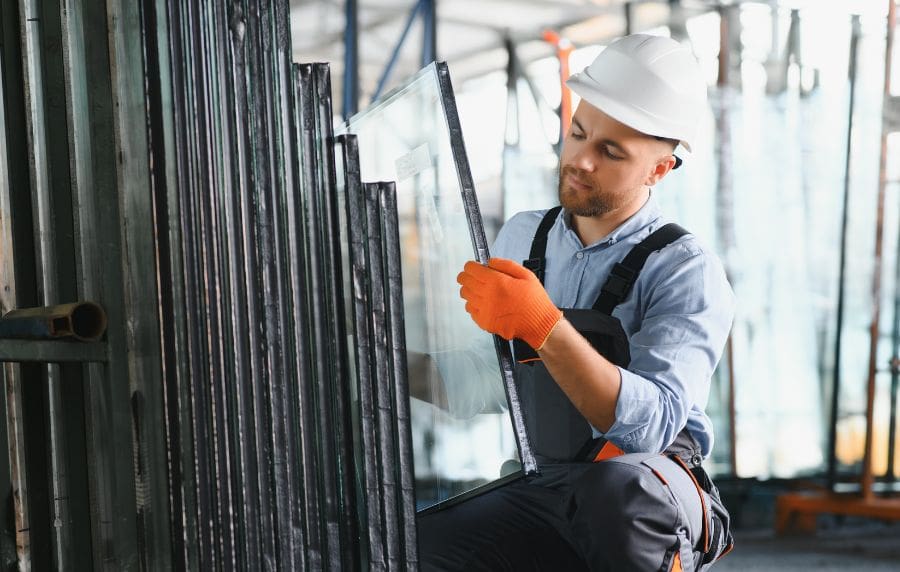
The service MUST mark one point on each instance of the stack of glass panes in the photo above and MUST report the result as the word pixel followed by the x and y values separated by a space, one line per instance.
pixel 467 429
pixel 287 304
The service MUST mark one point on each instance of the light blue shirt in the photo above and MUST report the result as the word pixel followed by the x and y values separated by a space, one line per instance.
pixel 677 318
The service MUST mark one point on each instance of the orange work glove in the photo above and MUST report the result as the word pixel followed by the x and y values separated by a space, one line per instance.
pixel 507 299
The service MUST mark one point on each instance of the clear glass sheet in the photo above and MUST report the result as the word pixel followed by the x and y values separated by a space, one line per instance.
pixel 463 436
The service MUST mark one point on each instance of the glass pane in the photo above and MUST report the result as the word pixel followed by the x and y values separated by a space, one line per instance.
pixel 463 436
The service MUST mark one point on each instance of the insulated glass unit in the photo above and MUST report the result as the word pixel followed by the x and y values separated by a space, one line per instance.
pixel 466 425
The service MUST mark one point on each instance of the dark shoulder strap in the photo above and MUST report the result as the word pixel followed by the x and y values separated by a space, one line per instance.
pixel 536 257
pixel 624 274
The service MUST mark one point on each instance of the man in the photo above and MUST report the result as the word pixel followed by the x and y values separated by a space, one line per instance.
pixel 618 321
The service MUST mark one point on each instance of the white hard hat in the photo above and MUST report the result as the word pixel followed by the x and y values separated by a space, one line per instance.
pixel 650 83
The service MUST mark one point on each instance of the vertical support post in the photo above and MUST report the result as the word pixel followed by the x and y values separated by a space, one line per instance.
pixel 628 7
pixel 842 265
pixel 874 329
pixel 15 542
pixel 724 47
pixel 351 59
pixel 44 241
pixel 429 31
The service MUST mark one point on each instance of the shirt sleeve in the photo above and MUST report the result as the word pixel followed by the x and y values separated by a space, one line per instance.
pixel 673 354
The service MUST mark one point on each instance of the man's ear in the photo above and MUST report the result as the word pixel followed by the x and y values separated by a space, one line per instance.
pixel 660 170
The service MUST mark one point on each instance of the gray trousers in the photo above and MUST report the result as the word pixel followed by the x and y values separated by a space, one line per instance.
pixel 633 512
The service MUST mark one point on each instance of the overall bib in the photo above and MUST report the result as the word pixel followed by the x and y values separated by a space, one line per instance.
pixel 556 429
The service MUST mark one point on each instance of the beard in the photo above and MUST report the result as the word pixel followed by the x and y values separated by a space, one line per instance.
pixel 588 203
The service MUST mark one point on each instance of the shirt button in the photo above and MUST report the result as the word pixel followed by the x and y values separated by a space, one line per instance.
pixel 579 255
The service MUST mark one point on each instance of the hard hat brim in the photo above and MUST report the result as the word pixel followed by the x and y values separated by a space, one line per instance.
pixel 627 114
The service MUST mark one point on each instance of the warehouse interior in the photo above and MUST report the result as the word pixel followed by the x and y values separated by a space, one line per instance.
pixel 229 237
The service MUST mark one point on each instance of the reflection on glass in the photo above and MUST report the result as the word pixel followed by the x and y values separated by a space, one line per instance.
pixel 462 435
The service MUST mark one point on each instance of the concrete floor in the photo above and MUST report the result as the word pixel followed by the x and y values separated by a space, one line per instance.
pixel 873 547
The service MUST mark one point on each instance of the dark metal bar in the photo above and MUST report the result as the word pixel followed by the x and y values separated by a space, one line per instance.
pixel 392 61
pixel 14 535
pixel 429 31
pixel 385 419
pixel 52 352
pixel 629 7
pixel 479 241
pixel 397 346
pixel 337 330
pixel 351 58
pixel 44 198
pixel 357 235
pixel 842 264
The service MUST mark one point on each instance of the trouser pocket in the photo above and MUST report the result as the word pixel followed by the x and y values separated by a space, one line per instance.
pixel 718 539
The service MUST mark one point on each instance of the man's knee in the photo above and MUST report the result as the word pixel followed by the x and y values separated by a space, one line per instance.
pixel 623 516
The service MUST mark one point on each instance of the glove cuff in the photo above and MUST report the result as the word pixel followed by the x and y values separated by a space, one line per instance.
pixel 541 322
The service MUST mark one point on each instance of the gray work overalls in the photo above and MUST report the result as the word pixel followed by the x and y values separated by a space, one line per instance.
pixel 557 431
pixel 629 512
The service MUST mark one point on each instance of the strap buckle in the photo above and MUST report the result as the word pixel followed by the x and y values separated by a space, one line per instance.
pixel 536 265
pixel 620 281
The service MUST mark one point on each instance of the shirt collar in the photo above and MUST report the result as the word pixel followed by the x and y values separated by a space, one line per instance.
pixel 645 217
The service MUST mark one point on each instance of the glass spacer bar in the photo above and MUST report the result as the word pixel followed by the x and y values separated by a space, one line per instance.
pixel 45 351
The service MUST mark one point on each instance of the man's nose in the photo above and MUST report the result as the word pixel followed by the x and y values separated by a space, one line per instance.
pixel 584 160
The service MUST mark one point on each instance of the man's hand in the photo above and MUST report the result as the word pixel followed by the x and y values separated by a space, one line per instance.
pixel 507 299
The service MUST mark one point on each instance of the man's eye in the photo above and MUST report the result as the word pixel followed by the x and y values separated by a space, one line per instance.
pixel 575 135
pixel 610 155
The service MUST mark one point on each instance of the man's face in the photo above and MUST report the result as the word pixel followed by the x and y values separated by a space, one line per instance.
pixel 605 165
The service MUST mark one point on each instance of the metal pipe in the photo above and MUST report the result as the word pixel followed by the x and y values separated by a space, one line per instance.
pixel 429 32
pixel 351 58
pixel 874 328
pixel 83 321
pixel 45 243
pixel 842 264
